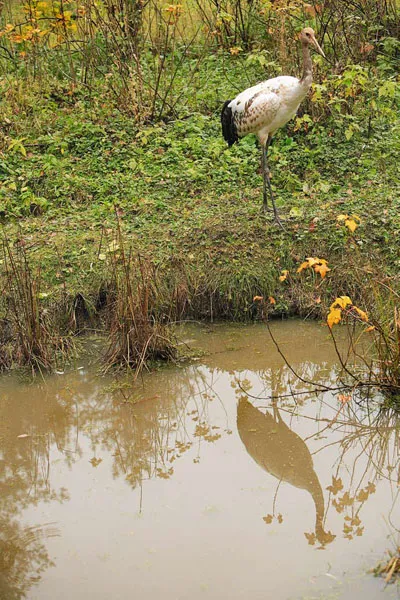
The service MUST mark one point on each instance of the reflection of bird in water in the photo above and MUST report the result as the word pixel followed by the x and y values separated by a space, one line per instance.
pixel 283 454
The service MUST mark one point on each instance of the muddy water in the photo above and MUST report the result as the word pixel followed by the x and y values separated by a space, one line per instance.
pixel 191 485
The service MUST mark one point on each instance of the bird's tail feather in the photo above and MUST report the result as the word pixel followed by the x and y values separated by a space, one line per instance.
pixel 229 130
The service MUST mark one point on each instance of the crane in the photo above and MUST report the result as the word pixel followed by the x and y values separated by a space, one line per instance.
pixel 263 108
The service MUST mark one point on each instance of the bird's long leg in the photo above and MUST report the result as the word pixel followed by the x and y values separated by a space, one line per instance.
pixel 267 183
pixel 264 171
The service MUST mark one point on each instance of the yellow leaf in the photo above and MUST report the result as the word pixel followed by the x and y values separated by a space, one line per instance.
pixel 304 265
pixel 341 302
pixel 351 224
pixel 284 275
pixel 334 317
pixel 318 264
pixel 341 218
pixel 363 315
pixel 272 300
pixel 312 261
pixel 258 299
pixel 371 328
pixel 321 269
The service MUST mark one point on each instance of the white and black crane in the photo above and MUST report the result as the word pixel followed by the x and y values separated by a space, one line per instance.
pixel 265 107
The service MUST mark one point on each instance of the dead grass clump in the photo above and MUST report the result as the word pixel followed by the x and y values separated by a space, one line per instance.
pixel 30 333
pixel 138 334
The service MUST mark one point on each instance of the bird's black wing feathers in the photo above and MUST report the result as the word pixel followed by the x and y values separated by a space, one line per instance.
pixel 229 130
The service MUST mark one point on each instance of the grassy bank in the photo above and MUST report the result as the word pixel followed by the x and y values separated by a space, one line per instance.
pixel 192 206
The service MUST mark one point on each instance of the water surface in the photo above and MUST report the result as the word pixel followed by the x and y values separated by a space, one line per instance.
pixel 192 484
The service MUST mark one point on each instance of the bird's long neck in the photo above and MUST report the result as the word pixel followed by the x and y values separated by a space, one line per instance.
pixel 318 498
pixel 306 79
pixel 324 537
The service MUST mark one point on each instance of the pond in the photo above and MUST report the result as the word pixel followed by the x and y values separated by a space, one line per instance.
pixel 192 485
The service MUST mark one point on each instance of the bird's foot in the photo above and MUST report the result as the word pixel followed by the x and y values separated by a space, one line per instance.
pixel 278 222
pixel 265 208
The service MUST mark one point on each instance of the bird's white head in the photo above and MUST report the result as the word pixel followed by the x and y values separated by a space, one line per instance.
pixel 307 36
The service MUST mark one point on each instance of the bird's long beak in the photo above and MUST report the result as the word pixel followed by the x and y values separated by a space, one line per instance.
pixel 318 47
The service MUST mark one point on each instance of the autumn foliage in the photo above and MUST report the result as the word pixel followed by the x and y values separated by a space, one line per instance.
pixel 319 265
pixel 344 306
